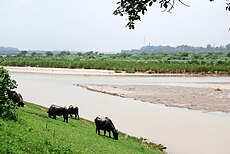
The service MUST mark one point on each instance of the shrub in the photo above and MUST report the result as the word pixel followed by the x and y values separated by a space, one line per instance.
pixel 7 107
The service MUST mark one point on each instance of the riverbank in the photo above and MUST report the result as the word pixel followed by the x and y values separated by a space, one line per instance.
pixel 206 99
pixel 215 98
pixel 99 72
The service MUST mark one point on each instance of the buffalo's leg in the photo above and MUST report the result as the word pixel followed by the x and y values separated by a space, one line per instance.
pixel 54 116
pixel 75 116
pixel 65 118
pixel 109 134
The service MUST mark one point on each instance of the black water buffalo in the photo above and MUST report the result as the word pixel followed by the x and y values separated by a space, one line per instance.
pixel 16 98
pixel 104 123
pixel 55 110
pixel 73 110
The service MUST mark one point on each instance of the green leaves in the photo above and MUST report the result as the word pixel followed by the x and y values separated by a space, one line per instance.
pixel 7 107
pixel 134 9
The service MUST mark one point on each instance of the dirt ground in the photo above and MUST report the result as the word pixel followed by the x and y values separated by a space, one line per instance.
pixel 207 99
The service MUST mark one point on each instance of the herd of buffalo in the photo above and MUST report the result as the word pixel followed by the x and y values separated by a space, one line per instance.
pixel 102 123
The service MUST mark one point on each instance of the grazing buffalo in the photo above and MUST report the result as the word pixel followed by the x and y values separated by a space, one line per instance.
pixel 73 110
pixel 104 123
pixel 55 110
pixel 16 98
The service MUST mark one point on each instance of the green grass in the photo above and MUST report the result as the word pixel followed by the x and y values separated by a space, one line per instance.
pixel 34 132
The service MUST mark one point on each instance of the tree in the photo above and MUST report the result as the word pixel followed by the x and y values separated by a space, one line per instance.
pixel 228 54
pixel 184 54
pixel 228 46
pixel 7 106
pixel 209 47
pixel 22 53
pixel 63 53
pixel 49 54
pixel 33 54
pixel 134 8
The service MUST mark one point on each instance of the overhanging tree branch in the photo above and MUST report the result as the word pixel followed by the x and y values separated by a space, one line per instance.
pixel 135 8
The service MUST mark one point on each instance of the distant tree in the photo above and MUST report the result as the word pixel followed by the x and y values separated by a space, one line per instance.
pixel 134 8
pixel 7 107
pixel 63 53
pixel 228 54
pixel 89 53
pixel 221 48
pixel 33 54
pixel 196 56
pixel 209 47
pixel 49 53
pixel 22 53
pixel 184 54
pixel 228 46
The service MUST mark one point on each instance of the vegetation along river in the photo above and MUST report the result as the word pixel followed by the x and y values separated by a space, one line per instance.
pixel 181 130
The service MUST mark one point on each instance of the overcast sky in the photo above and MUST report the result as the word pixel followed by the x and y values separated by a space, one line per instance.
pixel 85 25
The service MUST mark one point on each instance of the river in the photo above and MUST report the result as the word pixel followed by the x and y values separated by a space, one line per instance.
pixel 182 131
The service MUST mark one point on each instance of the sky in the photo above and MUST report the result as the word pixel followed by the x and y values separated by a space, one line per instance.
pixel 89 25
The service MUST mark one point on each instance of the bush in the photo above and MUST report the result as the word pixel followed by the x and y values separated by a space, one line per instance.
pixel 7 107
pixel 228 54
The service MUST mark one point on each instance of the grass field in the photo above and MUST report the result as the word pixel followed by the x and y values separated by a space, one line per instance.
pixel 35 133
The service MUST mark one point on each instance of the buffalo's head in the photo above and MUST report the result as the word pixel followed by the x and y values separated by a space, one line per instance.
pixel 115 134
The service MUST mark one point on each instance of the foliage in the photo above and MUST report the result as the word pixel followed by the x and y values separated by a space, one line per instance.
pixel 22 53
pixel 228 6
pixel 35 133
pixel 165 62
pixel 49 54
pixel 7 107
pixel 228 46
pixel 228 54
pixel 63 53
pixel 33 54
pixel 134 8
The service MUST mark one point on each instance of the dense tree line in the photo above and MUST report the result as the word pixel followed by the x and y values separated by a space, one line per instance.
pixel 179 48
pixel 182 62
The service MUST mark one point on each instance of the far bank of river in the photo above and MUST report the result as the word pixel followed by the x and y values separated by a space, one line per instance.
pixel 180 130
pixel 100 72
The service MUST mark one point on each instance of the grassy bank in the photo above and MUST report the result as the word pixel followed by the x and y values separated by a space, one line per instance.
pixel 34 132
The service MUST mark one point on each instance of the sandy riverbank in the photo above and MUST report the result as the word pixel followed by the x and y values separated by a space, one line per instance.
pixel 207 99
pixel 89 72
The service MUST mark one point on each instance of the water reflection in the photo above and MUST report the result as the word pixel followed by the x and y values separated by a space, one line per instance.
pixel 182 131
